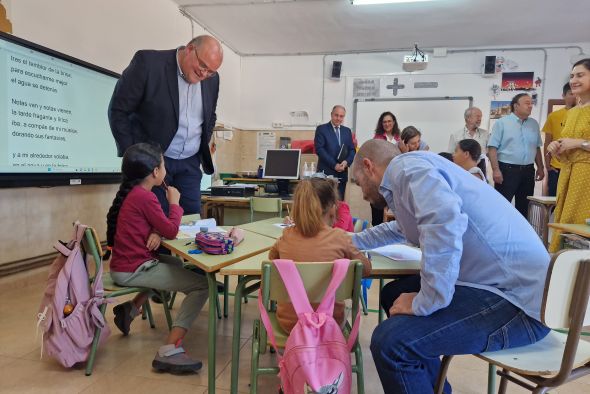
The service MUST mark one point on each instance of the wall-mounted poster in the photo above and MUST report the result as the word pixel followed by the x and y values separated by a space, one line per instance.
pixel 518 81
pixel 499 109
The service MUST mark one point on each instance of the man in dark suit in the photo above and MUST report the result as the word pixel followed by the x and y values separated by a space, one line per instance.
pixel 169 98
pixel 329 140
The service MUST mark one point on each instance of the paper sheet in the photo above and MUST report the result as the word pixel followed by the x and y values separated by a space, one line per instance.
pixel 283 225
pixel 399 252
pixel 190 230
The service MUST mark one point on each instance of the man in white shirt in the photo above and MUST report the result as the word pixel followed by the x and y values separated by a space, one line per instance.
pixel 471 131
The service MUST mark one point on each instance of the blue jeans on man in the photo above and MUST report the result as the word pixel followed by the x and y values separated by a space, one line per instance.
pixel 406 349
pixel 185 175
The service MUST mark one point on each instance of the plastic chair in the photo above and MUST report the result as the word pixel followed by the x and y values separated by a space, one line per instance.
pixel 91 246
pixel 316 277
pixel 559 357
pixel 268 205
pixel 359 226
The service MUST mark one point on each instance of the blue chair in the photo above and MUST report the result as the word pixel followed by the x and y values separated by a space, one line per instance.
pixel 360 225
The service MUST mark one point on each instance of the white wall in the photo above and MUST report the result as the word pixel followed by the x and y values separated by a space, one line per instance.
pixel 273 86
pixel 106 33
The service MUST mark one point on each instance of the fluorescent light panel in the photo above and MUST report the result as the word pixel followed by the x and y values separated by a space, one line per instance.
pixel 368 2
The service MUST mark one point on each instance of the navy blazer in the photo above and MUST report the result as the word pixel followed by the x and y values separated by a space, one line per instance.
pixel 144 105
pixel 327 148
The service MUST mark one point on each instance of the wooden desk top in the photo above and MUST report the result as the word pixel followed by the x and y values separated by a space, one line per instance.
pixel 580 229
pixel 382 266
pixel 265 227
pixel 253 244
pixel 545 200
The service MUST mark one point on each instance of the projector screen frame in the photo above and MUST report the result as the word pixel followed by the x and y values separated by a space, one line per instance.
pixel 31 179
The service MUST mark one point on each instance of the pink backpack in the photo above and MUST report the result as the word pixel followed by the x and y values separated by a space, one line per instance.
pixel 68 338
pixel 316 358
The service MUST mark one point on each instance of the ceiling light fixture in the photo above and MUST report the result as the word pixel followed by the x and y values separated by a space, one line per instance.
pixel 370 2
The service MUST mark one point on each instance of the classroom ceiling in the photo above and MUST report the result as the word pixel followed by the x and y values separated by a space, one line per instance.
pixel 281 27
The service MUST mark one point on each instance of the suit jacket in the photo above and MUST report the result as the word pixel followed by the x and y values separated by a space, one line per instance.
pixel 327 148
pixel 144 105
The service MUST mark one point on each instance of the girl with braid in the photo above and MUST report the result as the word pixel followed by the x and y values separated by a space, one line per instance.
pixel 135 223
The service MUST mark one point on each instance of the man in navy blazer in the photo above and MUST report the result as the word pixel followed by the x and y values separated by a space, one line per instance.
pixel 169 98
pixel 328 141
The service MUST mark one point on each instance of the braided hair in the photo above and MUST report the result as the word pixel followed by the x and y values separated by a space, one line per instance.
pixel 139 161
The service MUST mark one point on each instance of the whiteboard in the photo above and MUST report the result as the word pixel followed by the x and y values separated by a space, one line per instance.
pixel 436 117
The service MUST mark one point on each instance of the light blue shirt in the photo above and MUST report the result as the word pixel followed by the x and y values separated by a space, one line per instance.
pixel 516 140
pixel 440 207
pixel 187 140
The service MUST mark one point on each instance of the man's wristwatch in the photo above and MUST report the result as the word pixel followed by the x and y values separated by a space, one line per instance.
pixel 585 145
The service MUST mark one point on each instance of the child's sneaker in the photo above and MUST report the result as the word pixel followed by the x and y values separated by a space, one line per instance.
pixel 173 358
pixel 124 315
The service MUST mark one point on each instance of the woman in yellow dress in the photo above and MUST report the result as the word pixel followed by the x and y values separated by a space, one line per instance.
pixel 573 150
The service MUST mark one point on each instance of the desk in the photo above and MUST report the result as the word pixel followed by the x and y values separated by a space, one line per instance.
pixel 538 215
pixel 265 227
pixel 253 244
pixel 214 205
pixel 252 269
pixel 580 229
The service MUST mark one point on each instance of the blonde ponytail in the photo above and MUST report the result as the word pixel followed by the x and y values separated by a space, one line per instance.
pixel 312 199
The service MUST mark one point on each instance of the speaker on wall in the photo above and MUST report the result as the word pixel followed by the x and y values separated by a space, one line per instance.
pixel 489 66
pixel 336 69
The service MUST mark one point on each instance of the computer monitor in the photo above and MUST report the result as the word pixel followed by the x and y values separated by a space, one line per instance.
pixel 282 163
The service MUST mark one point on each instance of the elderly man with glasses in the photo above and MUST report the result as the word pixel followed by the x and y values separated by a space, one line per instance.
pixel 169 98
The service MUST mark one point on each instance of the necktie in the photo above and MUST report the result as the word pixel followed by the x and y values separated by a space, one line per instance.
pixel 337 129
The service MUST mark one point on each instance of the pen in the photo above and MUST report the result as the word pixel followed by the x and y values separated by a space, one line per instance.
pixel 164 185
pixel 188 243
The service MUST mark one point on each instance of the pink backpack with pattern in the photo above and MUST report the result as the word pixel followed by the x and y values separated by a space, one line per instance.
pixel 68 338
pixel 316 358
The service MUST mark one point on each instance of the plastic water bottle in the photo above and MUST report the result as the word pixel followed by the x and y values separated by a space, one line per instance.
pixel 312 170
pixel 306 170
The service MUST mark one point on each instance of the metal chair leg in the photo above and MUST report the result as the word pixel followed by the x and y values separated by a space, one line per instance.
pixel 166 309
pixel 255 355
pixel 172 299
pixel 147 309
pixel 92 355
pixel 491 378
pixel 442 374
pixel 360 373
pixel 364 306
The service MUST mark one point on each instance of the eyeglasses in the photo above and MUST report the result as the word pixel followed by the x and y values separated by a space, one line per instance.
pixel 202 66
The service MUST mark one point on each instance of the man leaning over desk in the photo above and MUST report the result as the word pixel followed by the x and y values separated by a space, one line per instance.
pixel 482 275
pixel 169 98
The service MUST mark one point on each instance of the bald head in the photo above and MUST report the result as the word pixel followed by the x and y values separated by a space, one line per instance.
pixel 380 152
pixel 369 166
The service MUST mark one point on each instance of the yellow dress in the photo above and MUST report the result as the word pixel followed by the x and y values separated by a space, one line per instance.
pixel 573 188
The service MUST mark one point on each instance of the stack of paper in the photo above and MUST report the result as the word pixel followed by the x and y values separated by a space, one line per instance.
pixel 399 252
pixel 190 230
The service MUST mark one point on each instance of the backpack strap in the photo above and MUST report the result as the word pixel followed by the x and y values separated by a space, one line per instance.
pixel 267 324
pixel 79 230
pixel 339 271
pixel 354 332
pixel 294 285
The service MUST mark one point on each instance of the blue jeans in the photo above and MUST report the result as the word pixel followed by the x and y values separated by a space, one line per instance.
pixel 406 349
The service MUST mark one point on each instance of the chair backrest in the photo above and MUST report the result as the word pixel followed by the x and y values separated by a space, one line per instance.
pixel 567 288
pixel 91 245
pixel 360 225
pixel 316 277
pixel 263 204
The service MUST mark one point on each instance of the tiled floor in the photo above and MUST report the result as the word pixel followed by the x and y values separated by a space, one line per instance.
pixel 124 364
